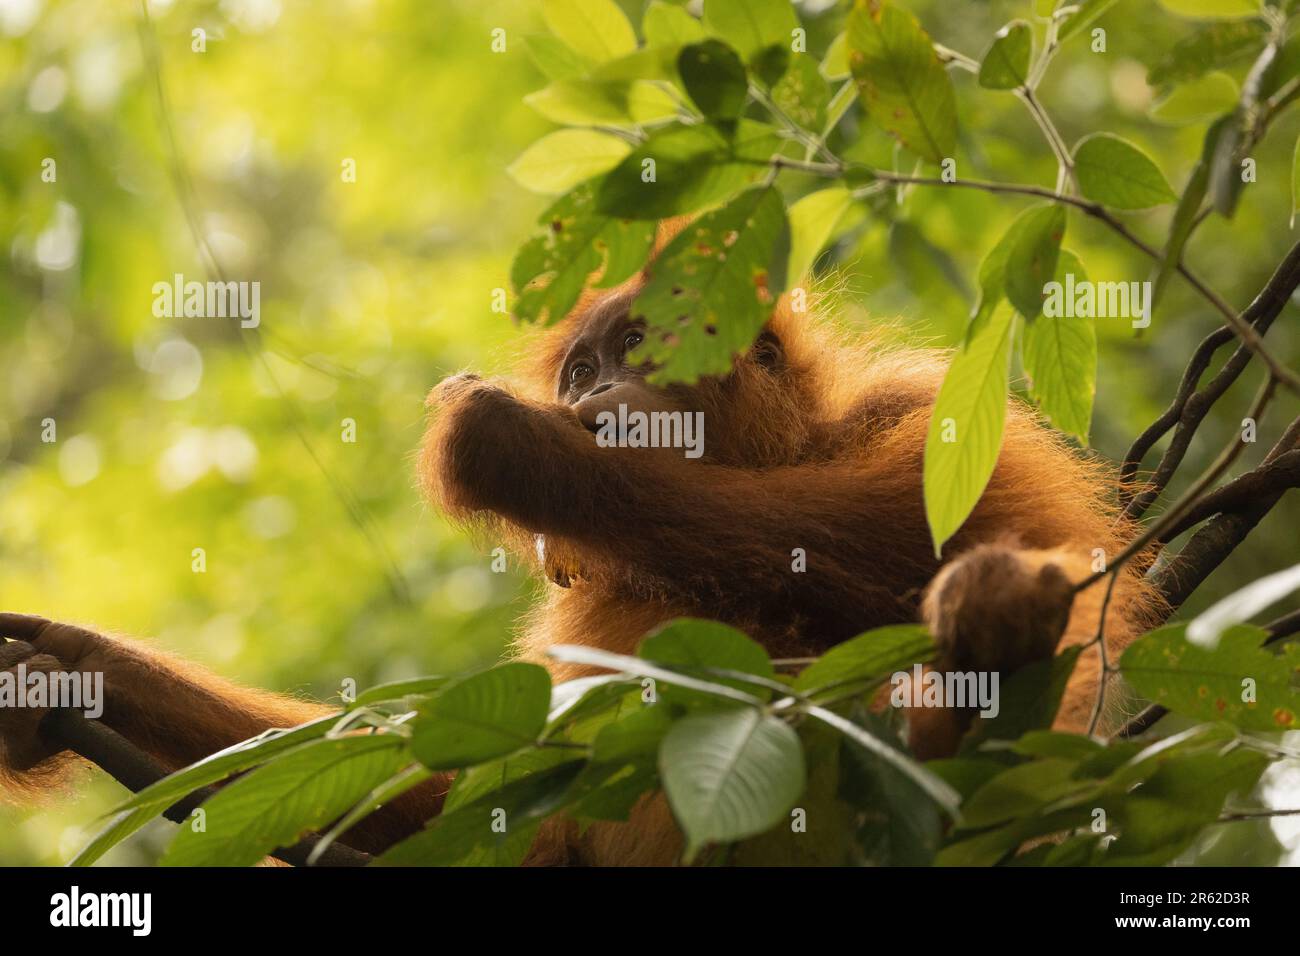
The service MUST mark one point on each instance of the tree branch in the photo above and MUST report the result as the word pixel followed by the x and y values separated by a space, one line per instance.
pixel 1189 407
pixel 1275 476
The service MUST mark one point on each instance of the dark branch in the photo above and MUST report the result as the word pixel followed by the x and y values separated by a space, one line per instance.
pixel 1275 476
pixel 1189 406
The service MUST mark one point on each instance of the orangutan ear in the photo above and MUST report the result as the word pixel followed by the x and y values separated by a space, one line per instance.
pixel 768 351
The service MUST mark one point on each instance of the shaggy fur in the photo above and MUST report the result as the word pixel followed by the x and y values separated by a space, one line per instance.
pixel 821 451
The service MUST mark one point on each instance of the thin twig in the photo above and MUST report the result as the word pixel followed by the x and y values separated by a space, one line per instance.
pixel 1175 512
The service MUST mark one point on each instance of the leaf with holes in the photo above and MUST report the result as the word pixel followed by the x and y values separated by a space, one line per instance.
pixel 572 243
pixel 1237 680
pixel 713 288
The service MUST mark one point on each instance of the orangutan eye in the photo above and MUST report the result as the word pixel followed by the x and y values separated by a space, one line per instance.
pixel 632 341
pixel 578 372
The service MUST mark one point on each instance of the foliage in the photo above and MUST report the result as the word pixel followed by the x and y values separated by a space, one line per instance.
pixel 380 291
pixel 703 715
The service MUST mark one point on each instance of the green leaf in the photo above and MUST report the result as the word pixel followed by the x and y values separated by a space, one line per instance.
pixel 993 269
pixel 1204 98
pixel 695 643
pixel 582 696
pixel 714 78
pixel 1022 791
pixel 586 102
pixel 1029 700
pixel 1089 10
pixel 276 804
pixel 870 656
pixel 1208 684
pixel 496 828
pixel 813 220
pixel 571 244
pixel 397 691
pixel 1212 9
pixel 965 433
pixel 1242 605
pixel 900 825
pixel 388 791
pixel 751 25
pixel 482 716
pixel 1211 47
pixel 668 25
pixel 559 161
pixel 1186 794
pixel 682 169
pixel 991 847
pixel 712 289
pixel 1115 173
pixel 578 654
pixel 636 735
pixel 610 791
pixel 1189 207
pixel 595 29
pixel 1050 743
pixel 903 85
pixel 802 93
pixel 132 814
pixel 554 59
pixel 934 786
pixel 924 267
pixel 730 775
pixel 1060 358
pixel 1032 257
pixel 835 64
pixel 1006 62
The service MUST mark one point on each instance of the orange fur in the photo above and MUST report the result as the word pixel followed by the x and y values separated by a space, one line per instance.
pixel 824 454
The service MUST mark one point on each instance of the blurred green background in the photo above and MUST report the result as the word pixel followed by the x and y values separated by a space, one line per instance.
pixel 176 434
